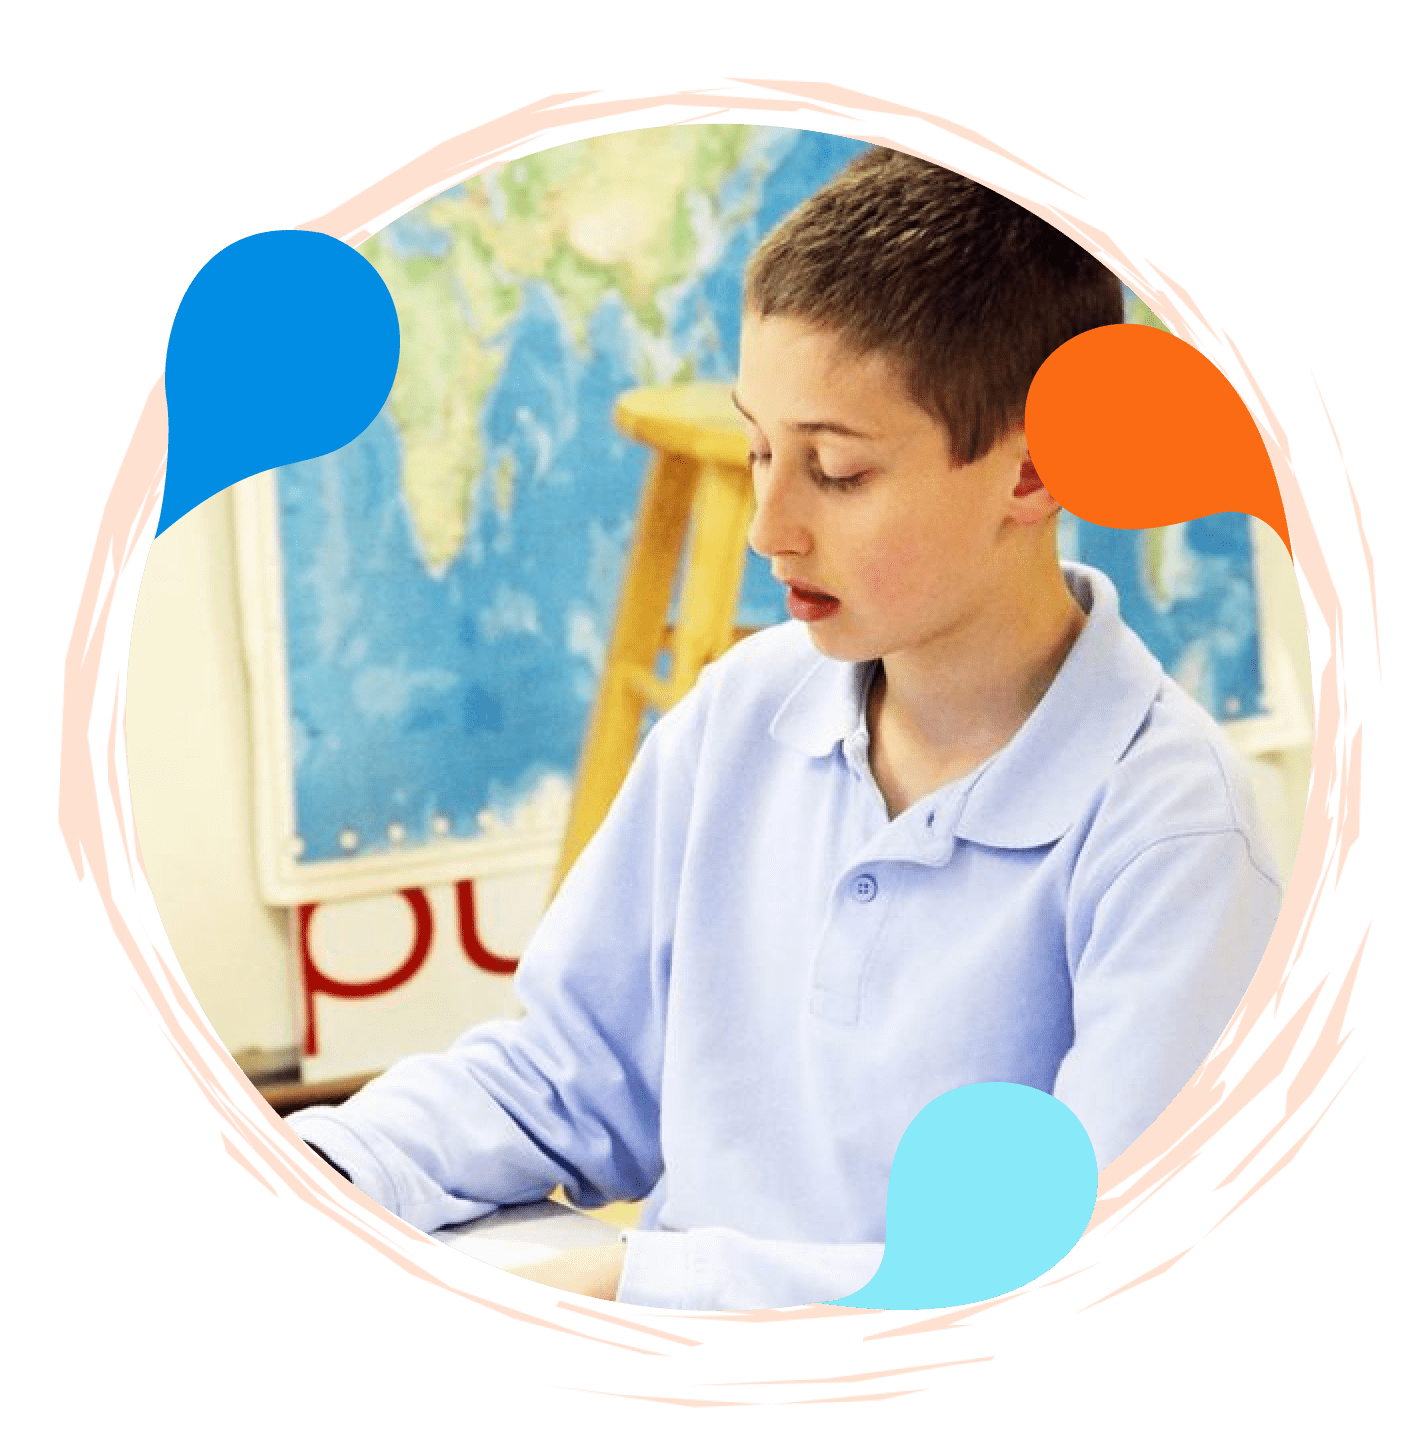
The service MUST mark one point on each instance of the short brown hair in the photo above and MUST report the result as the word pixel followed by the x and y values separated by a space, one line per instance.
pixel 964 289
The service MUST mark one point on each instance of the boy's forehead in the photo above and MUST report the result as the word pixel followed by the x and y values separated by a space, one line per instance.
pixel 798 373
pixel 785 356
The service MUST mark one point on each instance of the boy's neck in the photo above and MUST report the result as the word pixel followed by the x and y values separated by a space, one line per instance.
pixel 938 713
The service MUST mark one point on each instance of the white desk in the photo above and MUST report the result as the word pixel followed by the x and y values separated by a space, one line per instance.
pixel 517 1236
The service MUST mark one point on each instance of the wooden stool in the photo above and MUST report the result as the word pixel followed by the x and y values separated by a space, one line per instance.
pixel 699 488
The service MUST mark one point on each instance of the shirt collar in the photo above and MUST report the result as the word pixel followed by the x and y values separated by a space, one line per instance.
pixel 825 707
pixel 1032 791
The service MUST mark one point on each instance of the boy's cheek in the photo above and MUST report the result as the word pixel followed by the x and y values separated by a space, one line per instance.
pixel 906 581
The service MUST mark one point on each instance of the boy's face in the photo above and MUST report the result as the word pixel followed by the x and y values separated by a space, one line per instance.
pixel 887 546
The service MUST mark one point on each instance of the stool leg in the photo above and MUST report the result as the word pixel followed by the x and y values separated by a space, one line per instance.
pixel 709 598
pixel 613 733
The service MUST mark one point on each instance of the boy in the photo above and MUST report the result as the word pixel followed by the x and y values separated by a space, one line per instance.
pixel 952 824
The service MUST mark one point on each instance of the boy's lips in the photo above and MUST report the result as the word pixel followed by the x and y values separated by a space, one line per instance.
pixel 806 604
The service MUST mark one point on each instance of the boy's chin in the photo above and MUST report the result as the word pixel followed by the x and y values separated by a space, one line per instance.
pixel 835 647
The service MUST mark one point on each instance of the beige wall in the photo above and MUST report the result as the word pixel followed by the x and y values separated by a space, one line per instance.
pixel 186 727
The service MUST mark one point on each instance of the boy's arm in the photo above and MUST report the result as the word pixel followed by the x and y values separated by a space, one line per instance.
pixel 1168 949
pixel 569 1095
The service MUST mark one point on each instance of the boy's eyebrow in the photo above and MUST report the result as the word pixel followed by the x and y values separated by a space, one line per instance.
pixel 808 427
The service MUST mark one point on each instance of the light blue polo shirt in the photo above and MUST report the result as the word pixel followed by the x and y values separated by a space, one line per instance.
pixel 753 980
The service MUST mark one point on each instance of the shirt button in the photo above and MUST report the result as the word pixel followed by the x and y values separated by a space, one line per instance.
pixel 865 887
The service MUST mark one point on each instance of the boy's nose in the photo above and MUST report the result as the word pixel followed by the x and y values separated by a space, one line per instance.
pixel 778 527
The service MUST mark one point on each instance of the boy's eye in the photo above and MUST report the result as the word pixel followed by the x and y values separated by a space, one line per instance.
pixel 819 475
pixel 837 483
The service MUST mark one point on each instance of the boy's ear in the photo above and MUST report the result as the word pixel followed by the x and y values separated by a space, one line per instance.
pixel 1031 502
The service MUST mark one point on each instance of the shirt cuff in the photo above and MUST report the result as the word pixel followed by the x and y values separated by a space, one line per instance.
pixel 657 1269
pixel 320 1129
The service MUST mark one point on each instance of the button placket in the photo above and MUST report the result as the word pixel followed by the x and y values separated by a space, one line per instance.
pixel 857 913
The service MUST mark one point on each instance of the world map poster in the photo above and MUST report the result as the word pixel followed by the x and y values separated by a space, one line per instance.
pixel 439 593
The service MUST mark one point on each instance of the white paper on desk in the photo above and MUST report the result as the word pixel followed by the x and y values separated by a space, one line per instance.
pixel 500 1251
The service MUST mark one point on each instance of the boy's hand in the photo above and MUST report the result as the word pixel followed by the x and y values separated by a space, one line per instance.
pixel 587 1271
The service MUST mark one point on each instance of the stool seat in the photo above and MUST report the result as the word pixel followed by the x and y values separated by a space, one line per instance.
pixel 696 506
pixel 697 420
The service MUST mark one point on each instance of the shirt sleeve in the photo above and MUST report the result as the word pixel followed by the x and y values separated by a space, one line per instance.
pixel 569 1094
pixel 1167 951
pixel 714 1269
